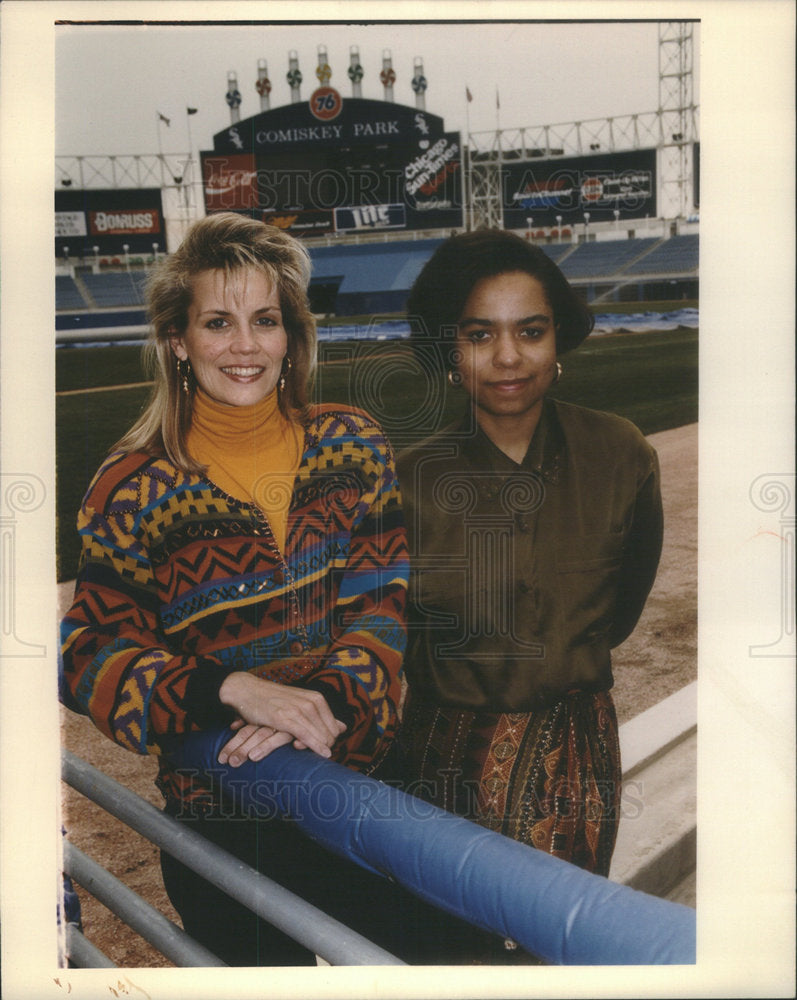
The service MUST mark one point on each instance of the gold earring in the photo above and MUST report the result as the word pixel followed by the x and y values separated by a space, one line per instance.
pixel 282 381
pixel 183 373
pixel 559 370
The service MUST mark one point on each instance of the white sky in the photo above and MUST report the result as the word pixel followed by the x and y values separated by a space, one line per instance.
pixel 112 80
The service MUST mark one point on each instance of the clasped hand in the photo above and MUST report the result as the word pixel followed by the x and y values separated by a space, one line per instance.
pixel 271 715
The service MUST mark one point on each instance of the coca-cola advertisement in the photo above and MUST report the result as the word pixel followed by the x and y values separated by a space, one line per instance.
pixel 230 182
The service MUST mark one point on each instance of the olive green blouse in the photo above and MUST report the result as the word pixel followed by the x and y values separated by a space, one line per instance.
pixel 525 576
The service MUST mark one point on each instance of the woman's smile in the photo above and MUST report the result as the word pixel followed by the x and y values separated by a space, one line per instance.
pixel 510 385
pixel 238 372
pixel 507 345
pixel 235 338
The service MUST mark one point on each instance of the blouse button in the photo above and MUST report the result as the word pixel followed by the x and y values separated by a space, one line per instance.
pixel 523 587
pixel 296 647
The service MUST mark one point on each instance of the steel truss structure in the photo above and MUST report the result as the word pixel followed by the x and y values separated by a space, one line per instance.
pixel 678 116
pixel 672 130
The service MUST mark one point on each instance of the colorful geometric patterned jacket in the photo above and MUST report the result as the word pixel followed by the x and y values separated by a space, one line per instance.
pixel 181 584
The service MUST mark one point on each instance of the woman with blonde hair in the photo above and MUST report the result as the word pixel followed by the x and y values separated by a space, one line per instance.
pixel 244 564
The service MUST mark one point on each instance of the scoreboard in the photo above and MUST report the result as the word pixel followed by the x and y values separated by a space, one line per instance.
pixel 332 165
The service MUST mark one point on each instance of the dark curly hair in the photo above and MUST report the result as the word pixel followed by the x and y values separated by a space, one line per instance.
pixel 438 296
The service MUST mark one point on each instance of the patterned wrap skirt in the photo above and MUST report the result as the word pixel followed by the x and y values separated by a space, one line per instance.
pixel 550 778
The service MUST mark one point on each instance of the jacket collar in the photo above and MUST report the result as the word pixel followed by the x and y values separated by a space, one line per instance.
pixel 545 455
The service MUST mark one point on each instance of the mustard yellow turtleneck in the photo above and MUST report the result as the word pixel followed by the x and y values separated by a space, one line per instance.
pixel 251 452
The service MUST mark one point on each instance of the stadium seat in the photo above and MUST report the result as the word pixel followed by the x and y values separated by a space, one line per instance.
pixel 67 293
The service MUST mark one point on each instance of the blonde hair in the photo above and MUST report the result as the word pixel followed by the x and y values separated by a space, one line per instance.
pixel 227 242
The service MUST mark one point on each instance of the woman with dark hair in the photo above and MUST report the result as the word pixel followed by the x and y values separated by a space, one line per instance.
pixel 535 531
pixel 244 563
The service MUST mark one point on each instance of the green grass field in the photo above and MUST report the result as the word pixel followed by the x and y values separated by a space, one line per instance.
pixel 650 378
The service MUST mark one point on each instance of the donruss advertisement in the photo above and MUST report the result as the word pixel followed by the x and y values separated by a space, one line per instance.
pixel 109 220
pixel 600 185
pixel 119 223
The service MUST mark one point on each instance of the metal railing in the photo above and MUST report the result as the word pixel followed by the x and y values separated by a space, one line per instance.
pixel 322 934
pixel 666 730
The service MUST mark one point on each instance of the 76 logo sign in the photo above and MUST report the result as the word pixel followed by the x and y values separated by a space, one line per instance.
pixel 326 103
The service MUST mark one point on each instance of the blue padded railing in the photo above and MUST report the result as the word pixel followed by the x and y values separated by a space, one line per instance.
pixel 553 909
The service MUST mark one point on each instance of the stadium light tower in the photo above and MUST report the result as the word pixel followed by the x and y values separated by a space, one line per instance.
pixel 233 97
pixel 676 117
pixel 388 74
pixel 294 76
pixel 419 84
pixel 263 85
pixel 355 72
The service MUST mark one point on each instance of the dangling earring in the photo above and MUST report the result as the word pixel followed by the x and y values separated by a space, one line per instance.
pixel 559 371
pixel 282 381
pixel 183 373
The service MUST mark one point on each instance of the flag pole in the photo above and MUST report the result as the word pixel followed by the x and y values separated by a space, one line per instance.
pixel 500 159
pixel 161 118
pixel 468 179
pixel 189 111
